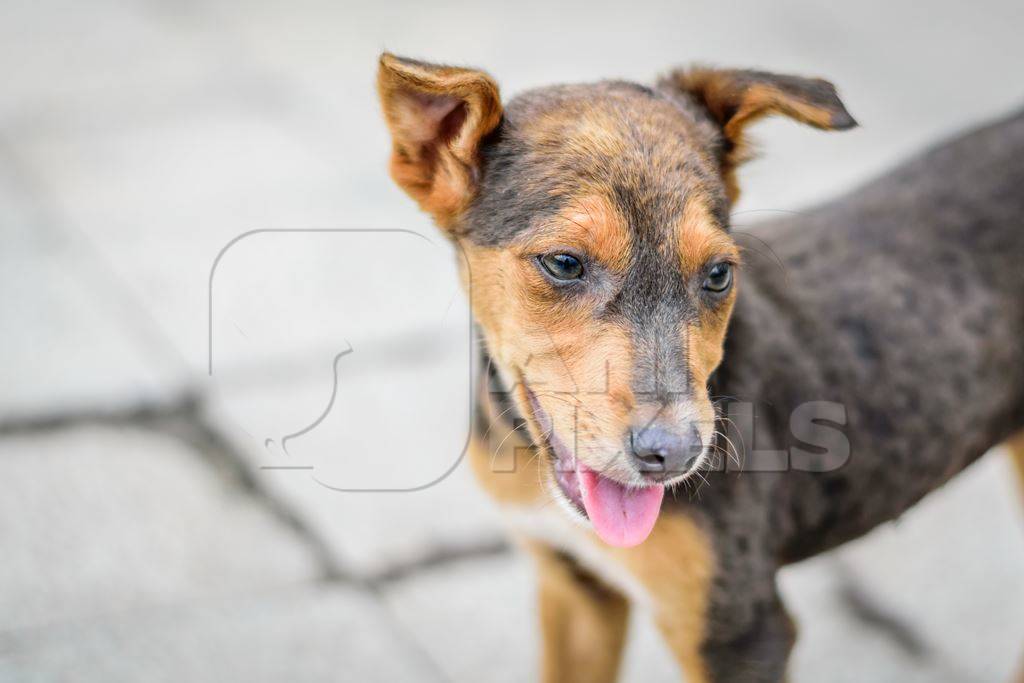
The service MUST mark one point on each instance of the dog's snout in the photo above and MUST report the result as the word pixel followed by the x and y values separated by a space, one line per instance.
pixel 661 453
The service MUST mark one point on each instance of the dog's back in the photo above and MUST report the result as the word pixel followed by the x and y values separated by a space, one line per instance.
pixel 904 303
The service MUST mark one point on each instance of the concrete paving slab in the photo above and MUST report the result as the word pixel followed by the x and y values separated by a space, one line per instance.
pixel 373 533
pixel 162 198
pixel 399 419
pixel 162 132
pixel 70 343
pixel 305 635
pixel 886 70
pixel 949 570
pixel 98 520
pixel 288 133
pixel 60 52
pixel 478 621
pixel 479 617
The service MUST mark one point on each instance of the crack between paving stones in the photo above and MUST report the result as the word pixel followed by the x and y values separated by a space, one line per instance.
pixel 183 420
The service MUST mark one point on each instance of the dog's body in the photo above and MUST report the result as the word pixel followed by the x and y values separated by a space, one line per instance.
pixel 904 302
pixel 902 305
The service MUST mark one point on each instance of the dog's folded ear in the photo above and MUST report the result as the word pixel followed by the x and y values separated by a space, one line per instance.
pixel 437 116
pixel 736 98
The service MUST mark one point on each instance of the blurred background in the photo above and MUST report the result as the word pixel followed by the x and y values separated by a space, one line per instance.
pixel 232 452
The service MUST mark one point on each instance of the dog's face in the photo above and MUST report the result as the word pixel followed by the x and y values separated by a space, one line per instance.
pixel 594 221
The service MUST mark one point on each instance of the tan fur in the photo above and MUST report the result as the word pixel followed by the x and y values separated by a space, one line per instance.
pixel 704 343
pixel 582 627
pixel 591 130
pixel 503 460
pixel 583 621
pixel 506 468
pixel 736 101
pixel 1015 447
pixel 700 242
pixel 590 224
pixel 676 565
pixel 437 171
pixel 700 239
pixel 578 366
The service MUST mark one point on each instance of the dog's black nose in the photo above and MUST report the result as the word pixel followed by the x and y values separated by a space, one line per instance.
pixel 662 453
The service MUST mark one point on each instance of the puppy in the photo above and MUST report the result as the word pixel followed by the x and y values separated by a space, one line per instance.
pixel 667 424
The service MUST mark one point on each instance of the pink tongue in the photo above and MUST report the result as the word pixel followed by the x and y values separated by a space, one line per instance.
pixel 621 517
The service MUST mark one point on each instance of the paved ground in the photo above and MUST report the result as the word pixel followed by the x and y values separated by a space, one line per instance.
pixel 160 521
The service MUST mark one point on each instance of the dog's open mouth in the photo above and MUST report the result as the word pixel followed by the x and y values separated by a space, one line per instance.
pixel 622 515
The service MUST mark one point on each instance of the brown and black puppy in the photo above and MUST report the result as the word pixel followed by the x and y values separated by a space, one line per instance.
pixel 629 353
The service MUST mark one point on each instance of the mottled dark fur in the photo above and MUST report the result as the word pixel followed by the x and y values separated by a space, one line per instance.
pixel 902 301
pixel 523 178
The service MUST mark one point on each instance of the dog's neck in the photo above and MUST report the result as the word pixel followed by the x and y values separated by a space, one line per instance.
pixel 494 402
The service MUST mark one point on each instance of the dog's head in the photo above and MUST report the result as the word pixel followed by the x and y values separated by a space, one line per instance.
pixel 595 223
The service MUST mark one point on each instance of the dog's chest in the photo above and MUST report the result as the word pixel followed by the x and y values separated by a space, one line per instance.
pixel 550 525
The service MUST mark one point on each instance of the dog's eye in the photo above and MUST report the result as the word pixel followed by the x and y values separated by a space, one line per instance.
pixel 719 278
pixel 562 266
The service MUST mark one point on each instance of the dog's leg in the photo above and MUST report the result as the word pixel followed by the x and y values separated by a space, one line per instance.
pixel 760 654
pixel 1015 446
pixel 677 567
pixel 583 621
